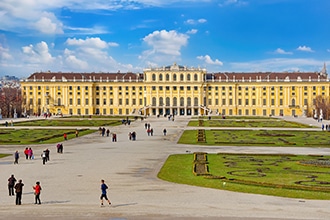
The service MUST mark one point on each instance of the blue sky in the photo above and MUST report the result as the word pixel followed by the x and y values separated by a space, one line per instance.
pixel 119 35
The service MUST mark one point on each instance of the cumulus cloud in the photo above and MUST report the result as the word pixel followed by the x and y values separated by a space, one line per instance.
pixel 166 42
pixel 92 54
pixel 305 49
pixel 48 24
pixel 93 42
pixel 207 59
pixel 38 53
pixel 281 51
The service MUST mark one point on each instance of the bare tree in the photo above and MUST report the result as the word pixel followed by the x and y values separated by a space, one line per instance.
pixel 322 103
pixel 10 101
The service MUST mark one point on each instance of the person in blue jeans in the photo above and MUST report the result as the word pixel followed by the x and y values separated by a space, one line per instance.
pixel 104 188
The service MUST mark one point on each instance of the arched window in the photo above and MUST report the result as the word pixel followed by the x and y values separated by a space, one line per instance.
pixel 293 102
pixel 181 101
pixel 167 101
pixel 188 77
pixel 195 101
pixel 175 101
pixel 153 77
pixel 188 101
pixel 174 77
pixel 59 101
pixel 195 77
pixel 161 101
pixel 153 101
pixel 181 77
pixel 167 77
pixel 160 77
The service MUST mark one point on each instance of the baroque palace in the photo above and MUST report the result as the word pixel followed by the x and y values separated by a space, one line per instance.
pixel 174 90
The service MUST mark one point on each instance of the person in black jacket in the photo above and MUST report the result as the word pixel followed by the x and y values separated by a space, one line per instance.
pixel 19 191
pixel 11 184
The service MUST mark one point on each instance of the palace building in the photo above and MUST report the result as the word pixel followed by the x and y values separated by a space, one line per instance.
pixel 174 90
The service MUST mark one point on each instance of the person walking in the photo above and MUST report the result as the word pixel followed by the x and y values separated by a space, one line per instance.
pixel 11 184
pixel 30 153
pixel 16 156
pixel 37 190
pixel 44 157
pixel 47 151
pixel 104 188
pixel 18 190
pixel 164 131
pixel 26 152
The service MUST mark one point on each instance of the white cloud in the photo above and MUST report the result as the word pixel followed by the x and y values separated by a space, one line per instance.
pixel 198 21
pixel 207 59
pixel 279 64
pixel 166 42
pixel 73 62
pixel 281 51
pixel 38 53
pixel 94 42
pixel 305 49
pixel 192 31
pixel 48 24
pixel 4 54
pixel 233 2
pixel 92 54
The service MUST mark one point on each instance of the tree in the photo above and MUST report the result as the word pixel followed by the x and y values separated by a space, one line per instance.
pixel 10 101
pixel 322 105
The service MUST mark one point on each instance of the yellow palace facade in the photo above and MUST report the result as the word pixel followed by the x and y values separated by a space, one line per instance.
pixel 174 90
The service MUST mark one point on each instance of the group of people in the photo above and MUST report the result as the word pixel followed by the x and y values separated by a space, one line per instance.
pixel 28 153
pixel 45 156
pixel 132 136
pixel 150 131
pixel 104 132
pixel 17 189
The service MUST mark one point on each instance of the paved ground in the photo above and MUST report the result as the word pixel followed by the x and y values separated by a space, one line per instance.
pixel 71 181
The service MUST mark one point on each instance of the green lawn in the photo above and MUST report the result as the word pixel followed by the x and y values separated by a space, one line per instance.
pixel 246 122
pixel 279 175
pixel 37 136
pixel 271 138
pixel 71 122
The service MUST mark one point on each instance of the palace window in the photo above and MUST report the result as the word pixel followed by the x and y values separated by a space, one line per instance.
pixel 195 101
pixel 195 77
pixel 160 77
pixel 167 101
pixel 188 77
pixel 174 77
pixel 181 77
pixel 189 101
pixel 181 101
pixel 153 77
pixel 175 101
pixel 167 77
pixel 86 101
